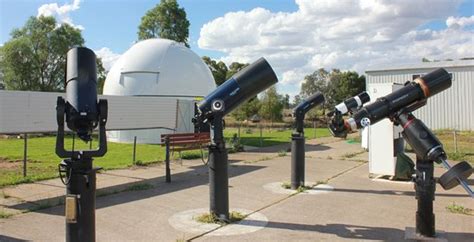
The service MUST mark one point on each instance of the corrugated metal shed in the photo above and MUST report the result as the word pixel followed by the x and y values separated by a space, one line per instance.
pixel 451 109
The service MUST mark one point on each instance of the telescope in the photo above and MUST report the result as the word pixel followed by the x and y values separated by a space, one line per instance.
pixel 297 139
pixel 351 104
pixel 428 147
pixel 83 114
pixel 81 92
pixel 410 97
pixel 242 86
pixel 300 111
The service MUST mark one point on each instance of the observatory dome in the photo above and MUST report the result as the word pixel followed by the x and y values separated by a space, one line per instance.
pixel 160 69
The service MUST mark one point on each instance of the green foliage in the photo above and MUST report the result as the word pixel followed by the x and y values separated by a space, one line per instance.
pixel 5 215
pixel 139 187
pixel 166 20
pixel 335 85
pixel 35 56
pixel 101 75
pixel 272 137
pixel 211 218
pixel 343 85
pixel 234 68
pixel 218 69
pixel 272 105
pixel 282 153
pixel 455 208
pixel 247 110
pixel 286 185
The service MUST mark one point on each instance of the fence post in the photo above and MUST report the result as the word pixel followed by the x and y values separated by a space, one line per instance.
pixel 167 159
pixel 314 127
pixel 455 142
pixel 25 153
pixel 261 140
pixel 134 148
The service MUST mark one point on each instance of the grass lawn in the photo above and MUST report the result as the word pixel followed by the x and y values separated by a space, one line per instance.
pixel 251 137
pixel 43 162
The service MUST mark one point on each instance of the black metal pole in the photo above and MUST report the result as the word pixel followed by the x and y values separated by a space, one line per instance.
pixel 218 171
pixel 25 154
pixel 297 160
pixel 425 187
pixel 167 160
pixel 81 186
pixel 134 149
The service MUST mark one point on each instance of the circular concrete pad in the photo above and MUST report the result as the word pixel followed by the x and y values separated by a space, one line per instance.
pixel 319 189
pixel 276 187
pixel 184 221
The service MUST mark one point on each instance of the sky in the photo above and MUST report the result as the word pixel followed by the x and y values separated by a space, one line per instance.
pixel 297 37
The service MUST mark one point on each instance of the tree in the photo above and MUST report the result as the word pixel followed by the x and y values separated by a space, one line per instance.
pixel 218 69
pixel 166 20
pixel 343 85
pixel 247 110
pixel 34 58
pixel 286 101
pixel 296 100
pixel 317 81
pixel 234 68
pixel 101 75
pixel 272 105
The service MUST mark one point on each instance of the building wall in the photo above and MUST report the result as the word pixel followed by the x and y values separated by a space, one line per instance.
pixel 450 109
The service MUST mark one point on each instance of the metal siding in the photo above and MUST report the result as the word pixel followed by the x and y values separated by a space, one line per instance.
pixel 25 112
pixel 450 109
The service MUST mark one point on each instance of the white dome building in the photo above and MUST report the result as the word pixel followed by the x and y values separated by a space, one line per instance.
pixel 162 69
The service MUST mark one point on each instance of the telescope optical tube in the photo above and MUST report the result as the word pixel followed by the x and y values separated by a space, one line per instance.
pixel 81 92
pixel 300 110
pixel 411 94
pixel 353 103
pixel 242 86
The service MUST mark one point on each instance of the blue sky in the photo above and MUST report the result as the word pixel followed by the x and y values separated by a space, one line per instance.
pixel 296 36
pixel 114 23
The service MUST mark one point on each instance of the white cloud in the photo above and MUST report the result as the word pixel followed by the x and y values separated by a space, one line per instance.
pixel 108 57
pixel 348 35
pixel 454 22
pixel 61 13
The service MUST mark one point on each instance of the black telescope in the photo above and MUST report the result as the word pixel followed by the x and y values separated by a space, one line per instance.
pixel 297 139
pixel 412 96
pixel 351 104
pixel 300 111
pixel 83 113
pixel 244 85
pixel 81 92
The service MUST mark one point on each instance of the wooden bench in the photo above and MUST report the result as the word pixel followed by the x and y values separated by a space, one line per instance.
pixel 181 142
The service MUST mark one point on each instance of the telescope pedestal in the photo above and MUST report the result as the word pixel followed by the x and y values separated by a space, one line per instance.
pixel 297 160
pixel 218 171
pixel 80 195
pixel 425 187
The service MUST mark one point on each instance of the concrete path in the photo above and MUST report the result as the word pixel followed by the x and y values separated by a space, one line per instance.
pixel 136 204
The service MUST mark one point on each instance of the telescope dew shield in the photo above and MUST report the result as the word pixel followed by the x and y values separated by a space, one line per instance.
pixel 81 92
pixel 240 87
pixel 302 108
pixel 411 94
pixel 352 103
pixel 310 102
